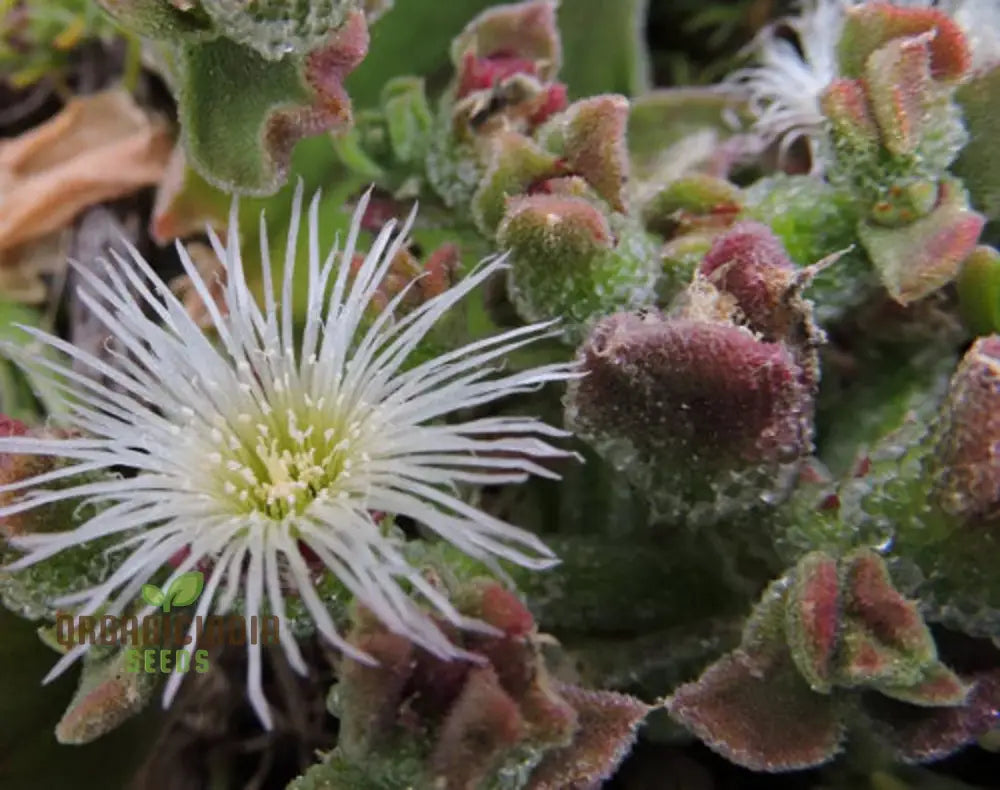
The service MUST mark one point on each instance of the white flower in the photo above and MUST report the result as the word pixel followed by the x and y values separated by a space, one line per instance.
pixel 249 448
pixel 785 87
pixel 784 90
pixel 980 21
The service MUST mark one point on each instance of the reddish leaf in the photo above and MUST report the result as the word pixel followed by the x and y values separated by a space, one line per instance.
pixel 938 688
pixel 966 459
pixel 919 734
pixel 370 695
pixel 812 618
pixel 758 712
pixel 481 726
pixel 607 729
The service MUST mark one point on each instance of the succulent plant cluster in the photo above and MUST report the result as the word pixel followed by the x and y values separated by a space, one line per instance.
pixel 782 317
pixel 414 720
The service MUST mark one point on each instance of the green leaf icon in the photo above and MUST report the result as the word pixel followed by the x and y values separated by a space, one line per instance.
pixel 185 590
pixel 152 595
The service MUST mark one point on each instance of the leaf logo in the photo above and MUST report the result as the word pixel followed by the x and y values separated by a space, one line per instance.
pixel 184 591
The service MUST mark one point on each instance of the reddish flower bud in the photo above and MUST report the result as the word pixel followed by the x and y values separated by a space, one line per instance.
pixel 702 388
pixel 515 164
pixel 512 36
pixel 590 136
pixel 870 26
pixel 845 105
pixel 885 639
pixel 502 609
pixel 483 73
pixel 898 78
pixel 749 263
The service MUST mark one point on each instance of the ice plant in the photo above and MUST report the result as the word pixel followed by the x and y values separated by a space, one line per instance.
pixel 264 442
pixel 786 85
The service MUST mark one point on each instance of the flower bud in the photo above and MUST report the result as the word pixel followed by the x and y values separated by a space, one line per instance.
pixel 749 263
pixel 568 261
pixel 813 618
pixel 519 37
pixel 885 640
pixel 901 93
pixel 514 163
pixel 845 105
pixel 590 137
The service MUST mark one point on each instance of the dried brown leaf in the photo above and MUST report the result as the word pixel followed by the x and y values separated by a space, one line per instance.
pixel 98 148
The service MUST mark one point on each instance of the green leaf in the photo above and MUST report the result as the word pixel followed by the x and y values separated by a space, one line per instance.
pixel 603 48
pixel 223 123
pixel 665 125
pixel 393 53
pixel 156 19
pixel 152 595
pixel 185 589
pixel 16 386
pixel 979 290
pixel 977 165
